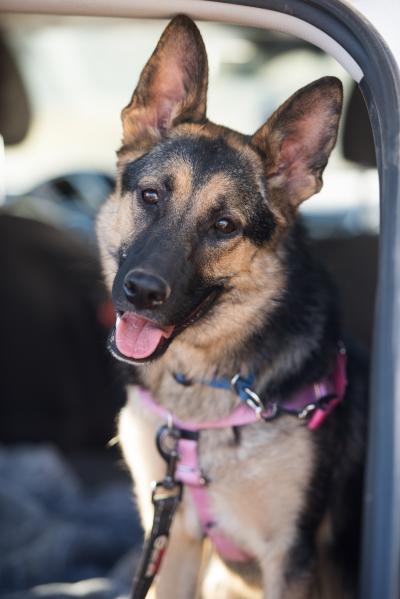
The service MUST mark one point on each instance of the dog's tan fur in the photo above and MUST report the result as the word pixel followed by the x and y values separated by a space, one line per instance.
pixel 257 487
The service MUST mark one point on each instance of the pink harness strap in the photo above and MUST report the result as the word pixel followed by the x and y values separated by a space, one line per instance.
pixel 188 469
pixel 241 416
pixel 339 380
pixel 189 473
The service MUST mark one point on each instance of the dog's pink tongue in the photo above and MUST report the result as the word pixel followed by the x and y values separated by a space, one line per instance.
pixel 137 337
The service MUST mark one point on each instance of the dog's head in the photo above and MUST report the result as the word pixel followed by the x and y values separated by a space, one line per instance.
pixel 191 238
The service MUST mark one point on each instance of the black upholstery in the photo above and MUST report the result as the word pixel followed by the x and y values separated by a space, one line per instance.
pixel 358 142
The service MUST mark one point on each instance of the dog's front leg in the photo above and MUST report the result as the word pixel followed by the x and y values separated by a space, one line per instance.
pixel 275 583
pixel 272 567
pixel 278 588
pixel 179 573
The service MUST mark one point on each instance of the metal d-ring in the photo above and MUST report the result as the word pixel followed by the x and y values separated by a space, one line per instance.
pixel 254 401
pixel 307 410
pixel 274 412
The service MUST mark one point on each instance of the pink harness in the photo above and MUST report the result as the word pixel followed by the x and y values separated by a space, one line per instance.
pixel 307 402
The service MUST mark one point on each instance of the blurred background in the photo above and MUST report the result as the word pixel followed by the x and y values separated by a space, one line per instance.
pixel 68 526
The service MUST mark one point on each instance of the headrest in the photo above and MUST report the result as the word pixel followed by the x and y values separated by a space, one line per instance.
pixel 14 105
pixel 358 142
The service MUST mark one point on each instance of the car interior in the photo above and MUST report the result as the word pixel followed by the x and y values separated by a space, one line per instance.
pixel 58 383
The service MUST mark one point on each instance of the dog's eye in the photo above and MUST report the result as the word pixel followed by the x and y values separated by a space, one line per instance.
pixel 225 226
pixel 150 196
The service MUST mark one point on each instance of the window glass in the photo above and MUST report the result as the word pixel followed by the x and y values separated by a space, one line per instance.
pixel 80 72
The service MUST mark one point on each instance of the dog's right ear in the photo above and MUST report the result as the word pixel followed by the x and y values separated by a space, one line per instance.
pixel 172 88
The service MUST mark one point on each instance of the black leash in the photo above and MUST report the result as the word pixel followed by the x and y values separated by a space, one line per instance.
pixel 166 497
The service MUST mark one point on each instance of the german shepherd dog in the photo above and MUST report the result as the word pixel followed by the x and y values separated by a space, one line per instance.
pixel 211 275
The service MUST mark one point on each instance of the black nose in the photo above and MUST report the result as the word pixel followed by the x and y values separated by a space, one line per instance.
pixel 145 290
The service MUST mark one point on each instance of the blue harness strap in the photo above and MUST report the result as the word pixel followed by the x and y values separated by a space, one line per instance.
pixel 240 384
pixel 317 399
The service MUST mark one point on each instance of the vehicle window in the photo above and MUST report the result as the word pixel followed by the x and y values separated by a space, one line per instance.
pixel 80 72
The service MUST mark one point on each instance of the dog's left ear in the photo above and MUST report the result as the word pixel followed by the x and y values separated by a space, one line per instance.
pixel 172 87
pixel 297 139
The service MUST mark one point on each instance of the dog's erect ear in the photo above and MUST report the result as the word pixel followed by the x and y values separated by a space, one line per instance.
pixel 173 85
pixel 297 139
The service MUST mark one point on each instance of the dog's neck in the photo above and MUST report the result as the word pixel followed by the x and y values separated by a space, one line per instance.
pixel 293 345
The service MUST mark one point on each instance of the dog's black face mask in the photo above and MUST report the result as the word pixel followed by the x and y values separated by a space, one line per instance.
pixel 192 201
pixel 194 227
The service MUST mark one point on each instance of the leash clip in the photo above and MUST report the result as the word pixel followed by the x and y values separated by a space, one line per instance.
pixel 167 444
pixel 160 492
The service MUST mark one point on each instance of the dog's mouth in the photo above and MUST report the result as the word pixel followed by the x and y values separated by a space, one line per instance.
pixel 136 339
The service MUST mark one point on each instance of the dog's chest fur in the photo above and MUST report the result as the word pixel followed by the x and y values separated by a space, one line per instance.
pixel 258 478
